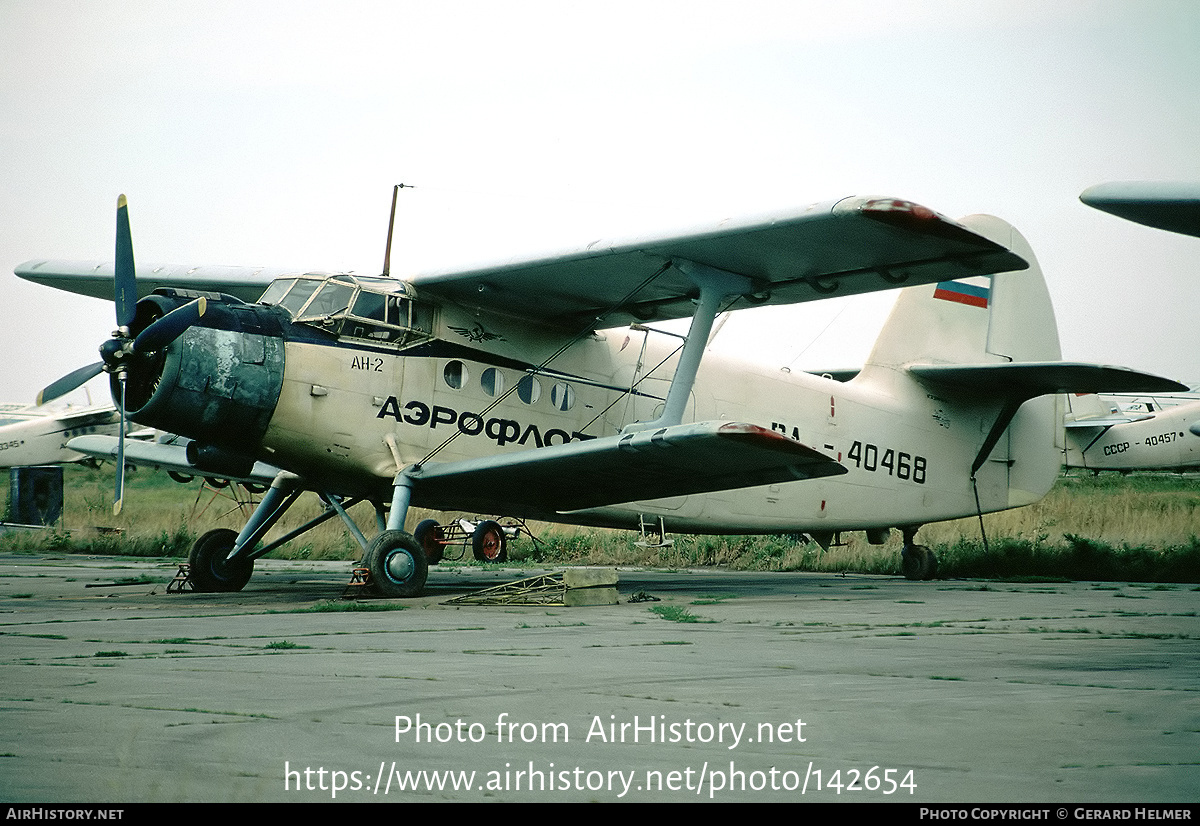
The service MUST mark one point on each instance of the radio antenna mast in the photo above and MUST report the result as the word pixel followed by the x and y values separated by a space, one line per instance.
pixel 387 253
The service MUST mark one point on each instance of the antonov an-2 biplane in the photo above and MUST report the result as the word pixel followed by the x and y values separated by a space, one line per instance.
pixel 515 389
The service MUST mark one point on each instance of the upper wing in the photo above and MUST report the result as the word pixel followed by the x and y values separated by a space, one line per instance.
pixel 95 278
pixel 844 247
pixel 851 246
pixel 673 461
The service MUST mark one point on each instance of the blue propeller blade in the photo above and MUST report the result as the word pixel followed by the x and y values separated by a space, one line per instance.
pixel 125 278
pixel 170 327
pixel 120 491
pixel 69 382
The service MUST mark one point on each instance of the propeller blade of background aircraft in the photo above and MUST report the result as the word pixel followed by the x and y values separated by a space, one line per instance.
pixel 69 382
pixel 170 327
pixel 125 279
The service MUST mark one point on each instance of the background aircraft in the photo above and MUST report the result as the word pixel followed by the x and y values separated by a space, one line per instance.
pixel 1124 433
pixel 32 435
pixel 498 390
pixel 1102 436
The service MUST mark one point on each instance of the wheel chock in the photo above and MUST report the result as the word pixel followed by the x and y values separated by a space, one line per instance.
pixel 359 580
pixel 182 581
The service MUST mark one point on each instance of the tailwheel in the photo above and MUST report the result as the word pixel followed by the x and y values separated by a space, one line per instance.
pixel 429 535
pixel 208 569
pixel 918 562
pixel 397 563
pixel 489 543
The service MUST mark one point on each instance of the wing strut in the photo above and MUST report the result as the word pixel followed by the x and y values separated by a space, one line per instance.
pixel 1011 405
pixel 716 286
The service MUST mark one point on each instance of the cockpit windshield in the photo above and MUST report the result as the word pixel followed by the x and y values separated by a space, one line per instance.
pixel 375 309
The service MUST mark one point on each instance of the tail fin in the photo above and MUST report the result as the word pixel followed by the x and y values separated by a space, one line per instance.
pixel 998 318
pixel 988 320
pixel 1083 406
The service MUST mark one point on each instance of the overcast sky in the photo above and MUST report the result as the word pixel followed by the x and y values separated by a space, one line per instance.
pixel 271 133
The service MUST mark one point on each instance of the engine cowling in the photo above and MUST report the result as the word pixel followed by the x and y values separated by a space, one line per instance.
pixel 219 382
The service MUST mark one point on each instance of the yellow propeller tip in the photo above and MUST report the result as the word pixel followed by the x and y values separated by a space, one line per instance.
pixel 121 202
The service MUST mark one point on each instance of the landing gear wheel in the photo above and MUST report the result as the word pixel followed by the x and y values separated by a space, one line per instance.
pixel 429 535
pixel 489 542
pixel 208 570
pixel 397 563
pixel 918 562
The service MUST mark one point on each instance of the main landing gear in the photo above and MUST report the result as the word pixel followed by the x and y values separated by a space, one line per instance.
pixel 222 560
pixel 917 561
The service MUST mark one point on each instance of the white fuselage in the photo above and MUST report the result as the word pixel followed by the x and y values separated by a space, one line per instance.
pixel 1168 439
pixel 348 412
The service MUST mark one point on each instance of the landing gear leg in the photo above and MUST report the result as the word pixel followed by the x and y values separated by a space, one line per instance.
pixel 917 561
pixel 397 561
pixel 221 560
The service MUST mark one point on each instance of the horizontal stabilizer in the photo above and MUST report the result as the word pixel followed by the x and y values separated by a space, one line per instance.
pixel 163 456
pixel 1031 379
pixel 1104 421
pixel 673 461
pixel 1014 383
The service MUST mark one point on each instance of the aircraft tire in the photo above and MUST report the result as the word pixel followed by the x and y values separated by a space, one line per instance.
pixel 489 543
pixel 427 534
pixel 398 565
pixel 209 572
pixel 918 562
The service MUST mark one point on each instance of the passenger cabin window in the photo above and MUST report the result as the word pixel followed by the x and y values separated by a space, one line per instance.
pixel 374 309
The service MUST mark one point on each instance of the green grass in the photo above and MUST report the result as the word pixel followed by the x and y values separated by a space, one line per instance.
pixel 676 613
pixel 1108 528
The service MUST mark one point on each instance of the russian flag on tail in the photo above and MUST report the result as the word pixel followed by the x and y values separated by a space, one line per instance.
pixel 962 292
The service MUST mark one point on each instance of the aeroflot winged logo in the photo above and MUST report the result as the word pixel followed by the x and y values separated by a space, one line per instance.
pixel 963 292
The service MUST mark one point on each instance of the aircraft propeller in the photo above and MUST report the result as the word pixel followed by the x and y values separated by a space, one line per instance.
pixel 125 349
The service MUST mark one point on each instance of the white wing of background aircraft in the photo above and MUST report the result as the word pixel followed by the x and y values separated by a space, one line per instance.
pixel 31 435
pixel 1171 206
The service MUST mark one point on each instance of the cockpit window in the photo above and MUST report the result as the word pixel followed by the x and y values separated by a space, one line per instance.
pixel 298 295
pixel 333 298
pixel 371 306
pixel 276 291
pixel 376 309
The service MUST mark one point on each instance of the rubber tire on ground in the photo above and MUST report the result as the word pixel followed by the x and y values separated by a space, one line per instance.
pixel 918 562
pixel 489 542
pixel 397 563
pixel 209 572
pixel 428 534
